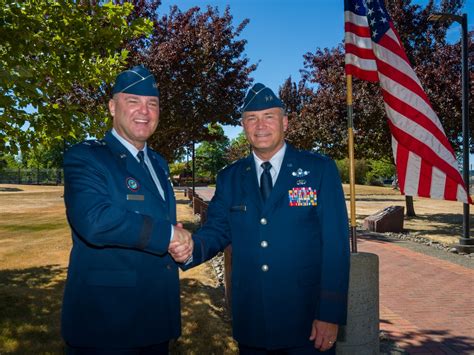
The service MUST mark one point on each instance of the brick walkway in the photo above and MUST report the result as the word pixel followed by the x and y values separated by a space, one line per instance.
pixel 426 304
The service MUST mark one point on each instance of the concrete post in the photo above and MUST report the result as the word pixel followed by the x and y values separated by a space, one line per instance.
pixel 361 334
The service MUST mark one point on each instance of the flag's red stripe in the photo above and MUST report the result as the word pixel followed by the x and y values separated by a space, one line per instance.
pixel 450 189
pixel 361 31
pixel 401 164
pixel 425 152
pixel 360 52
pixel 398 45
pixel 388 43
pixel 402 78
pixel 416 116
pixel 426 172
pixel 368 75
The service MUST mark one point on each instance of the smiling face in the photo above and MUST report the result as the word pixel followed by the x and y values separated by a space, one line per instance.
pixel 135 117
pixel 265 131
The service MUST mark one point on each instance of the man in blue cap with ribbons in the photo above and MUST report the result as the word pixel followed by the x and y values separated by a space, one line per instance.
pixel 122 288
pixel 284 213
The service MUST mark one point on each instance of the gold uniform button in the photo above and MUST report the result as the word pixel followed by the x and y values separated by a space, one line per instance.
pixel 264 244
pixel 263 221
pixel 264 268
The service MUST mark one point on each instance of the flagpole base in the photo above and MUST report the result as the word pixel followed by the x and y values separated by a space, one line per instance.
pixel 466 245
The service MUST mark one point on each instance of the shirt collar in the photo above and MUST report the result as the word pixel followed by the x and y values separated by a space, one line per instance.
pixel 130 147
pixel 276 160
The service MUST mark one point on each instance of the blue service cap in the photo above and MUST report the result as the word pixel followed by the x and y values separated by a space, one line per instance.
pixel 260 98
pixel 138 81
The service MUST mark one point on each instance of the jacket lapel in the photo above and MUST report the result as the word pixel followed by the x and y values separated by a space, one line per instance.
pixel 250 183
pixel 160 173
pixel 284 179
pixel 130 163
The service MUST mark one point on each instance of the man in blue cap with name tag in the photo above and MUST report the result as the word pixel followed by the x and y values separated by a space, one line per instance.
pixel 284 213
pixel 122 288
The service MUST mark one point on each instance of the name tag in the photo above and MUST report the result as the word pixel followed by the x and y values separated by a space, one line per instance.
pixel 135 197
pixel 302 196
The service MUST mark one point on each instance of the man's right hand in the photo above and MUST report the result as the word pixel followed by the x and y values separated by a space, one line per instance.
pixel 181 246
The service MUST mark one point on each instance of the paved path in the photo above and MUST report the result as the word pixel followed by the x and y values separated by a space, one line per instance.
pixel 426 304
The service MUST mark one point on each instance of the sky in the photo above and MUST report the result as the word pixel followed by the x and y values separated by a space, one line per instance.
pixel 280 32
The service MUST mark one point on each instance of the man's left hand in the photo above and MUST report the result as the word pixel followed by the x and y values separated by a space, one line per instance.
pixel 323 334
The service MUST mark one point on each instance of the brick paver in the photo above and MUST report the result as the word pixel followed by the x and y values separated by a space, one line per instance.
pixel 426 304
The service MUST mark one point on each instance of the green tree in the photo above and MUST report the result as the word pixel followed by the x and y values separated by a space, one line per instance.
pixel 56 59
pixel 238 148
pixel 10 161
pixel 47 157
pixel 379 170
pixel 211 156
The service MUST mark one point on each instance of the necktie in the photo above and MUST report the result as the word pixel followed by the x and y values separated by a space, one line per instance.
pixel 266 180
pixel 141 158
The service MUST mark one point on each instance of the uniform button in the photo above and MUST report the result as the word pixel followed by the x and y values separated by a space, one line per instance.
pixel 264 244
pixel 263 221
pixel 264 268
pixel 168 267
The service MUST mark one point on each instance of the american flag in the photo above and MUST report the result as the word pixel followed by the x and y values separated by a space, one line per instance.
pixel 425 160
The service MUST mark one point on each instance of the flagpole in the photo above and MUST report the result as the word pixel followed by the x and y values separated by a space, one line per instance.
pixel 350 124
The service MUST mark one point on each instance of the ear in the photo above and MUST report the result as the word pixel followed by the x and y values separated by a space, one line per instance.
pixel 285 123
pixel 112 107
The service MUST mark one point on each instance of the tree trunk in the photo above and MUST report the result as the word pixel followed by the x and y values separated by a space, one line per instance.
pixel 410 206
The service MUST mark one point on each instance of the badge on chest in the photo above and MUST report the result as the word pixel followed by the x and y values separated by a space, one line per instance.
pixel 302 196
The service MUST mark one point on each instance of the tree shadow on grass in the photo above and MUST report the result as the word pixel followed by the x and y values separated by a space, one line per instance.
pixel 206 322
pixel 450 223
pixel 10 189
pixel 30 306
pixel 184 201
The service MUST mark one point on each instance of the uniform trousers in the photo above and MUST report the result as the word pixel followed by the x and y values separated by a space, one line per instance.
pixel 158 349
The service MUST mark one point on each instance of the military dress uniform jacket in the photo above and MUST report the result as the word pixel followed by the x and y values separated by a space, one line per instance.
pixel 122 288
pixel 290 255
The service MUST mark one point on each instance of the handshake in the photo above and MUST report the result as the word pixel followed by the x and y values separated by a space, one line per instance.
pixel 181 246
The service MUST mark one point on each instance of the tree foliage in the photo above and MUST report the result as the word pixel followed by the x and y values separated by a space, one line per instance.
pixel 211 155
pixel 199 62
pixel 322 124
pixel 56 58
pixel 297 98
pixel 239 148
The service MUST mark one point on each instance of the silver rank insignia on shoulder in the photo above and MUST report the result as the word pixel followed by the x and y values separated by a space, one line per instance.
pixel 300 172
